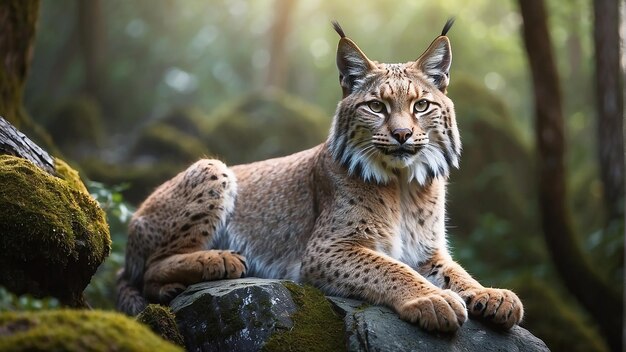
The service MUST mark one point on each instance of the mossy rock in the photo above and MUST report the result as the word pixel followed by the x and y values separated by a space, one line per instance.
pixel 70 175
pixel 265 125
pixel 162 322
pixel 316 325
pixel 76 127
pixel 558 322
pixel 76 330
pixel 53 235
pixel 254 314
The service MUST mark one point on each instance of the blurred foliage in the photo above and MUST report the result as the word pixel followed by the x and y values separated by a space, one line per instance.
pixel 11 302
pixel 265 125
pixel 76 127
pixel 546 308
pixel 182 81
pixel 160 142
pixel 140 178
pixel 101 291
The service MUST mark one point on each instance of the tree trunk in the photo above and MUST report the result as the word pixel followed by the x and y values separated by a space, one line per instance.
pixel 609 104
pixel 91 37
pixel 18 19
pixel 277 71
pixel 604 305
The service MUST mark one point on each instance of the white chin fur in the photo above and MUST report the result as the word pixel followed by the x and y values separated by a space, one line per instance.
pixel 427 164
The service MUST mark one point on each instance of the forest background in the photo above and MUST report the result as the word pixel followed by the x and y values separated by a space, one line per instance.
pixel 133 92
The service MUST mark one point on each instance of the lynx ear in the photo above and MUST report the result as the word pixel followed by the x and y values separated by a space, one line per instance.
pixel 352 63
pixel 435 62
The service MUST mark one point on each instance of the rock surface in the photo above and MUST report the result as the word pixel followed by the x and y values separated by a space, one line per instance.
pixel 376 328
pixel 233 315
pixel 245 314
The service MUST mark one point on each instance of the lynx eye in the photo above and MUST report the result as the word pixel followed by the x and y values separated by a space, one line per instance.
pixel 376 106
pixel 421 105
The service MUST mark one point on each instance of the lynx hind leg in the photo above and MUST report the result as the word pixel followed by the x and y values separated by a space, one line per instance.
pixel 205 194
pixel 170 276
pixel 186 213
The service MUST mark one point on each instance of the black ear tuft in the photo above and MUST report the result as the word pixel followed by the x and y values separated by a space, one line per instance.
pixel 338 29
pixel 447 26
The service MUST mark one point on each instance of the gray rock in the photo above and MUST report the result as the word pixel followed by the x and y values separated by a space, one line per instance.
pixel 232 315
pixel 376 328
pixel 243 314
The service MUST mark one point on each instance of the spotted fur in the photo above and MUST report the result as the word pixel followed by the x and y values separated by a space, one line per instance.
pixel 361 215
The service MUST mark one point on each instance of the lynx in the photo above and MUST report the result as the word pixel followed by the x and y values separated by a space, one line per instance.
pixel 361 215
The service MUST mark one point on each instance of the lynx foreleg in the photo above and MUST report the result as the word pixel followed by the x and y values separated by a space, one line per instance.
pixel 500 306
pixel 353 270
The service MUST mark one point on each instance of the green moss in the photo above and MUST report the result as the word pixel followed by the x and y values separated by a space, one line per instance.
pixel 316 326
pixel 53 237
pixel 70 175
pixel 75 330
pixel 162 322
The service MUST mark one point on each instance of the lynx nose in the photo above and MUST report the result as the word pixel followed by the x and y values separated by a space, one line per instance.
pixel 401 134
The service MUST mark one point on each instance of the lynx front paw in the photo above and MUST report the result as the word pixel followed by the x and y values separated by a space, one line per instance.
pixel 502 307
pixel 439 311
pixel 226 265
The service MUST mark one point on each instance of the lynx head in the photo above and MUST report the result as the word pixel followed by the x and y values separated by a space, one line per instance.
pixel 395 119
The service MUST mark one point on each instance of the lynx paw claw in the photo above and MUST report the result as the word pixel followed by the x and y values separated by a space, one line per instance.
pixel 441 311
pixel 499 306
pixel 235 265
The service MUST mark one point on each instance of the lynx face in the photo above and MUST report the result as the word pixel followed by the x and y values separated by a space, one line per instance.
pixel 395 119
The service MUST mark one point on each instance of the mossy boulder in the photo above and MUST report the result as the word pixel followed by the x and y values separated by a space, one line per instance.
pixel 263 125
pixel 257 314
pixel 76 330
pixel 76 127
pixel 162 322
pixel 254 314
pixel 53 235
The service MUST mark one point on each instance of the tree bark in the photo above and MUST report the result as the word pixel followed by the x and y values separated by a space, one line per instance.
pixel 277 70
pixel 609 104
pixel 91 37
pixel 14 142
pixel 18 19
pixel 604 305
